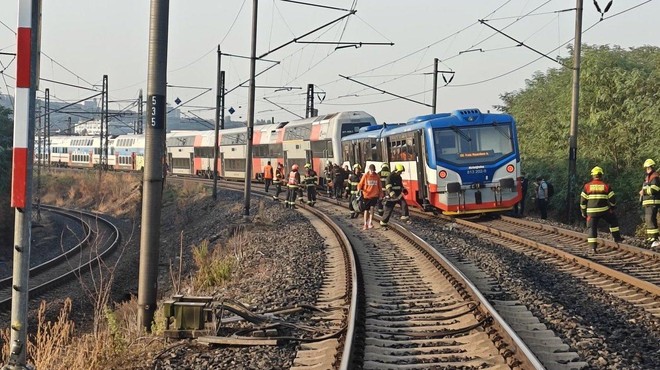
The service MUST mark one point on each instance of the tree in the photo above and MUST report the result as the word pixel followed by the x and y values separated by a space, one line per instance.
pixel 618 124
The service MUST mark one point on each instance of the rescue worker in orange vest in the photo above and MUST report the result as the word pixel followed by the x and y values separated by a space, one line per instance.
pixel 395 191
pixel 384 174
pixel 310 181
pixel 352 188
pixel 371 192
pixel 292 186
pixel 650 198
pixel 597 202
pixel 277 181
pixel 268 176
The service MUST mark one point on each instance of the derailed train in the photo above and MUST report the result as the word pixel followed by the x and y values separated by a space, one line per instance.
pixel 459 162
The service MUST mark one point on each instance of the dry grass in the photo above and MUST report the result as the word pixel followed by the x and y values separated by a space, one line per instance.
pixel 214 267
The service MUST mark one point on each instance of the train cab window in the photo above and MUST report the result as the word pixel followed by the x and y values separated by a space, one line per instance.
pixel 473 144
pixel 352 128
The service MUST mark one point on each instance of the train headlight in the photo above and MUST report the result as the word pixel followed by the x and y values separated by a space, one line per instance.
pixel 510 168
pixel 442 174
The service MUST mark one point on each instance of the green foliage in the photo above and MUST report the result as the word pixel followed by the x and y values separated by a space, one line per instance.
pixel 213 268
pixel 618 121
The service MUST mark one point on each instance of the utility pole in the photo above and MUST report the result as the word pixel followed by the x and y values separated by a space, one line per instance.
pixel 154 174
pixel 140 126
pixel 104 120
pixel 575 103
pixel 218 97
pixel 434 103
pixel 69 127
pixel 250 113
pixel 27 79
pixel 222 100
pixel 47 119
pixel 309 109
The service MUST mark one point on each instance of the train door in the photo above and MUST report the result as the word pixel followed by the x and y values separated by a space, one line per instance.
pixel 170 164
pixel 191 164
pixel 308 156
pixel 420 149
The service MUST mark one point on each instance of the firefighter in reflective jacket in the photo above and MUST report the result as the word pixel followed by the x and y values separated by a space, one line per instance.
pixel 352 188
pixel 394 192
pixel 650 197
pixel 383 174
pixel 597 202
pixel 277 180
pixel 292 185
pixel 310 181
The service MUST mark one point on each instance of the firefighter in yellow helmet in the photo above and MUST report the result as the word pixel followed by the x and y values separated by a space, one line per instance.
pixel 352 188
pixel 597 202
pixel 310 180
pixel 383 174
pixel 394 194
pixel 650 199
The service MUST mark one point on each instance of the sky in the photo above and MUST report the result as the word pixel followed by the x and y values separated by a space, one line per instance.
pixel 82 40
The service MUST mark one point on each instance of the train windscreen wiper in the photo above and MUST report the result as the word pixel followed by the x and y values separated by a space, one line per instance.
pixel 502 131
pixel 457 130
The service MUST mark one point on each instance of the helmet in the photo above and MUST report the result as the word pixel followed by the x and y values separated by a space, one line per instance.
pixel 596 171
pixel 357 166
pixel 280 165
pixel 649 163
pixel 385 166
pixel 308 165
pixel 399 168
pixel 294 167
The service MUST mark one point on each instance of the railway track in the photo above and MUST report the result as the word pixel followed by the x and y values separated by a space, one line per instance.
pixel 416 310
pixel 100 238
pixel 624 271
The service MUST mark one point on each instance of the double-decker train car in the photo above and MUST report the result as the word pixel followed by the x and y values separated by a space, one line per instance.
pixel 127 153
pixel 315 140
pixel 459 163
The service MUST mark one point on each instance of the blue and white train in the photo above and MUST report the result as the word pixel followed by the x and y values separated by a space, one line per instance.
pixel 463 162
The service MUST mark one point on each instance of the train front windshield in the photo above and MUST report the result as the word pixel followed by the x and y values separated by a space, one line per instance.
pixel 468 145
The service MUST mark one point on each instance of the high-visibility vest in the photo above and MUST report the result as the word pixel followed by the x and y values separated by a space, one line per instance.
pixel 651 189
pixel 294 179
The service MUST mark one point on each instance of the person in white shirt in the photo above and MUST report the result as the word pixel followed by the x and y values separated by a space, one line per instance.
pixel 542 197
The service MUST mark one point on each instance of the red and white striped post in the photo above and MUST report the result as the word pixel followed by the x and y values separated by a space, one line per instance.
pixel 27 57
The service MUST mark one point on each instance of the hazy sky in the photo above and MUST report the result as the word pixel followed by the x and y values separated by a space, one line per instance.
pixel 91 38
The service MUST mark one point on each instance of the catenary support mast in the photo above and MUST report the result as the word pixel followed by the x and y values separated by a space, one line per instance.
pixel 154 166
pixel 575 104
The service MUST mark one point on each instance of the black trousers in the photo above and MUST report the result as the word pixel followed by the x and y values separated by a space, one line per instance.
pixel 542 205
pixel 389 208
pixel 311 194
pixel 267 183
pixel 278 189
pixel 292 192
pixel 651 218
pixel 592 225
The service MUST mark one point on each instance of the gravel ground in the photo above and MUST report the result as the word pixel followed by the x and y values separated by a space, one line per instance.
pixel 605 331
pixel 281 265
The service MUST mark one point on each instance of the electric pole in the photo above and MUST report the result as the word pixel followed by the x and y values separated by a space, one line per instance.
pixel 104 120
pixel 154 166
pixel 575 103
pixel 27 80
pixel 250 113
pixel 309 109
pixel 218 97
pixel 140 127
pixel 47 119
pixel 434 103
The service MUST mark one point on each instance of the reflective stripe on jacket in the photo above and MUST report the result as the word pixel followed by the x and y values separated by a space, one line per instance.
pixel 394 184
pixel 294 179
pixel 353 181
pixel 310 178
pixel 651 189
pixel 597 197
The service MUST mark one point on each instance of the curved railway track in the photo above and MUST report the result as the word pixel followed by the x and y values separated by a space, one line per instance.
pixel 417 310
pixel 100 238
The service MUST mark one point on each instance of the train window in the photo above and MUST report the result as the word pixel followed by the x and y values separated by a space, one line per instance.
pixel 204 152
pixel 321 149
pixel 275 150
pixel 234 165
pixel 181 163
pixel 475 144
pixel 297 133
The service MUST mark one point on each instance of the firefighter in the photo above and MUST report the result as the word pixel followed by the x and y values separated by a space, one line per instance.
pixel 650 198
pixel 292 185
pixel 277 181
pixel 310 181
pixel 327 172
pixel 383 174
pixel 352 188
pixel 597 202
pixel 395 192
